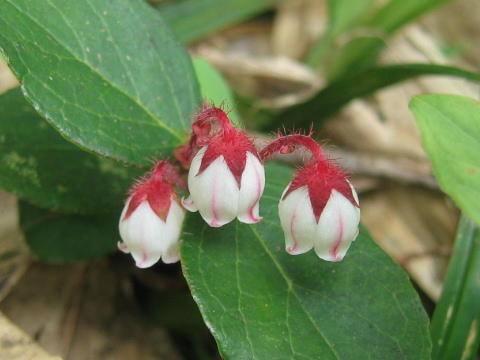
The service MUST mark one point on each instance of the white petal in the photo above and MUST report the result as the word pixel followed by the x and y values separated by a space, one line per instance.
pixel 123 247
pixel 252 185
pixel 171 235
pixel 142 233
pixel 354 193
pixel 214 191
pixel 337 228
pixel 298 221
pixel 189 204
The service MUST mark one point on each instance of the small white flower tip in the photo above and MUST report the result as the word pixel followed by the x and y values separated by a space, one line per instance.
pixel 123 247
pixel 146 262
pixel 249 218
pixel 189 204
pixel 292 250
pixel 215 223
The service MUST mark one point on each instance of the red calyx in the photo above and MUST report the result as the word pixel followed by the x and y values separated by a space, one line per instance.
pixel 157 189
pixel 321 177
pixel 233 146
pixel 230 142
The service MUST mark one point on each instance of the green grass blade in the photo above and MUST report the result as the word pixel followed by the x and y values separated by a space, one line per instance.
pixel 362 50
pixel 340 92
pixel 455 327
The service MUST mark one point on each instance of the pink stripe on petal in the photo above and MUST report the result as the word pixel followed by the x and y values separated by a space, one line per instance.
pixel 252 217
pixel 214 222
pixel 292 250
pixel 259 194
pixel 143 261
pixel 334 250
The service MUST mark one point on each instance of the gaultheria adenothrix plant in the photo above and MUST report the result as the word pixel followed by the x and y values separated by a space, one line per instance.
pixel 151 220
pixel 226 179
pixel 319 208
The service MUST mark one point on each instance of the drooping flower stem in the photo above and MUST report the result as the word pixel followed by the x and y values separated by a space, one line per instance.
pixel 201 129
pixel 167 173
pixel 287 143
pixel 319 208
pixel 157 173
pixel 213 113
pixel 226 178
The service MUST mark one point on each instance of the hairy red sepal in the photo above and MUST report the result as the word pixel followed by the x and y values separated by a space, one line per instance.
pixel 321 178
pixel 233 146
pixel 230 142
pixel 157 189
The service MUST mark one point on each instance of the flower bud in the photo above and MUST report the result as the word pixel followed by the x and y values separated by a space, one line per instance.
pixel 330 235
pixel 226 178
pixel 151 221
pixel 319 208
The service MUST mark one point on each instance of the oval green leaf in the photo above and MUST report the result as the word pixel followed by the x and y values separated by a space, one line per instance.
pixel 39 165
pixel 261 303
pixel 63 238
pixel 109 75
pixel 450 130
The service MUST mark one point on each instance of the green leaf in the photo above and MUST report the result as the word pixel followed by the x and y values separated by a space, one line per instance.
pixel 456 321
pixel 38 164
pixel 344 15
pixel 450 130
pixel 370 35
pixel 214 88
pixel 262 303
pixel 192 20
pixel 340 92
pixel 396 13
pixel 109 75
pixel 57 237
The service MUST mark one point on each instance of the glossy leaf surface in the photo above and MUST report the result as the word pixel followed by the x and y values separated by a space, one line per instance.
pixel 261 303
pixel 193 19
pixel 39 165
pixel 109 75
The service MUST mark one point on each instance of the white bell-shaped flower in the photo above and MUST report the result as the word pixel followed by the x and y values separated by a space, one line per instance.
pixel 216 194
pixel 151 221
pixel 148 238
pixel 331 235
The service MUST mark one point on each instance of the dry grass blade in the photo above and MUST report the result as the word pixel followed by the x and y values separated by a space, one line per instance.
pixel 15 344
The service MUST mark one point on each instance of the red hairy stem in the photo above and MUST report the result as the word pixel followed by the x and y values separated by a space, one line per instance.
pixel 166 172
pixel 201 132
pixel 287 143
pixel 212 113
